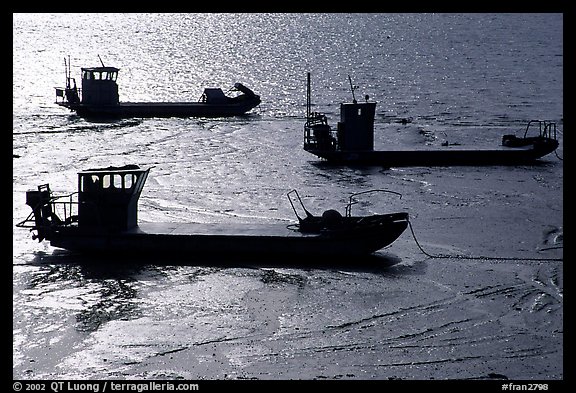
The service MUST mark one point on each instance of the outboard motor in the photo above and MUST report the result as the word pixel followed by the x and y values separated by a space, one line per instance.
pixel 39 201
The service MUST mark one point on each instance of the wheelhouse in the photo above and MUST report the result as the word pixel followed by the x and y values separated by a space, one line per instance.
pixel 99 86
pixel 108 197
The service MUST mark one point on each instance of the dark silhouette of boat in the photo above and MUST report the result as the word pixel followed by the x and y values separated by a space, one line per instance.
pixel 101 217
pixel 98 98
pixel 353 142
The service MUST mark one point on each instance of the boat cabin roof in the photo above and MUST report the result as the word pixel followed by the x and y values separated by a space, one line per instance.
pixel 113 169
pixel 100 69
pixel 111 178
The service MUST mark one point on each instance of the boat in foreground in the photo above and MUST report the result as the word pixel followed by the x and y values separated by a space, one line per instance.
pixel 101 217
pixel 98 98
pixel 353 142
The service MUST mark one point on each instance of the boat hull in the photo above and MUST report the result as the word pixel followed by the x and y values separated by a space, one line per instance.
pixel 196 240
pixel 162 109
pixel 442 157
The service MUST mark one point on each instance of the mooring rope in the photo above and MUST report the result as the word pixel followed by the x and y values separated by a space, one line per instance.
pixel 557 156
pixel 459 256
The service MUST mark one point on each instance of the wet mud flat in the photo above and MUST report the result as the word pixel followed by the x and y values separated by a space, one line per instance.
pixel 398 321
pixel 395 324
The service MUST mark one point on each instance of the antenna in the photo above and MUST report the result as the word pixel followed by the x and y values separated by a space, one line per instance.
pixel 101 62
pixel 352 89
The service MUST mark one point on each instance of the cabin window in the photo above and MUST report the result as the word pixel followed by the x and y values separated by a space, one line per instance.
pixel 117 181
pixel 90 183
pixel 359 111
pixel 109 75
pixel 106 181
pixel 128 181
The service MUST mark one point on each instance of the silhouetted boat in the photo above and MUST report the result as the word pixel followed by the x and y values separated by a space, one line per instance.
pixel 98 98
pixel 353 142
pixel 102 217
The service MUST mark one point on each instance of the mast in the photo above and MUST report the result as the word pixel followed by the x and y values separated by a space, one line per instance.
pixel 308 100
pixel 66 74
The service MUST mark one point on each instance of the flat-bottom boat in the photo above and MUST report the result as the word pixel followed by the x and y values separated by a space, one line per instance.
pixel 99 99
pixel 101 217
pixel 352 143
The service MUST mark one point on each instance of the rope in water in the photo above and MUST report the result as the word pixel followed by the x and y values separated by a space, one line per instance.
pixel 457 256
pixel 557 156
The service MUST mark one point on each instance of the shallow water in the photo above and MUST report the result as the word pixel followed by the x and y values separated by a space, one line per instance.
pixel 460 78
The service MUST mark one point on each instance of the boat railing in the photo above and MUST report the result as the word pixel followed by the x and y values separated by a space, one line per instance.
pixel 306 212
pixel 547 129
pixel 70 95
pixel 348 210
pixel 61 210
pixel 318 134
pixel 66 208
pixel 352 201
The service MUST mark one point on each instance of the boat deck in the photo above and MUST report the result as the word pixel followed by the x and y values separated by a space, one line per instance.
pixel 163 104
pixel 216 229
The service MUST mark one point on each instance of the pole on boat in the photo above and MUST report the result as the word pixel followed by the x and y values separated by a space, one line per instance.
pixel 66 73
pixel 352 89
pixel 308 102
pixel 101 62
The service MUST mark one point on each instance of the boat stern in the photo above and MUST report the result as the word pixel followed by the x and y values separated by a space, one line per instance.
pixel 44 217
